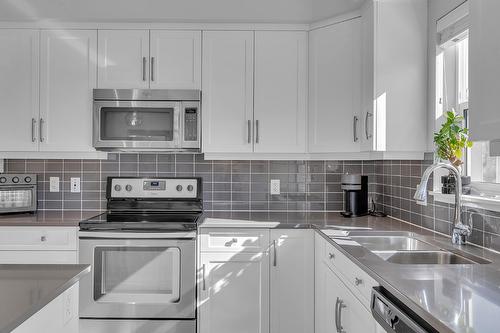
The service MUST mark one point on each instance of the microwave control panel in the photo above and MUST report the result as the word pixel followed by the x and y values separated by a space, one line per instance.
pixel 191 124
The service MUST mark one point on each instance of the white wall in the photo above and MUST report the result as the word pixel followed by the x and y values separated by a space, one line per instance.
pixel 437 9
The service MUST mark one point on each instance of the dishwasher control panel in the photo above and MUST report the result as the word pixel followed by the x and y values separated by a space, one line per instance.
pixel 392 317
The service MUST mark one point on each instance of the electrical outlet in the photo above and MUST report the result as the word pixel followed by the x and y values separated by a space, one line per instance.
pixel 75 184
pixel 275 186
pixel 54 184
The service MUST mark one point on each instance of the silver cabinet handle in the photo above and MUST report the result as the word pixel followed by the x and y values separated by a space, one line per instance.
pixel 337 315
pixel 249 131
pixel 152 68
pixel 358 281
pixel 355 128
pixel 368 114
pixel 275 254
pixel 231 242
pixel 43 238
pixel 143 68
pixel 33 129
pixel 204 286
pixel 340 306
pixel 331 255
pixel 40 134
pixel 256 131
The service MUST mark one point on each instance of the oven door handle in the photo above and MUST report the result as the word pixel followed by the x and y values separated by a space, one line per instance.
pixel 136 235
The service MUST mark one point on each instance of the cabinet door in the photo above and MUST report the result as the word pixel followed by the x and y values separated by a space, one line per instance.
pixel 234 293
pixel 484 70
pixel 123 59
pixel 175 59
pixel 227 85
pixel 68 75
pixel 280 91
pixel 342 309
pixel 292 281
pixel 19 89
pixel 335 88
pixel 368 74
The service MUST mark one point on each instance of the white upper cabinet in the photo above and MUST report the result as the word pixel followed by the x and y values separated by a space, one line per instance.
pixel 175 59
pixel 394 75
pixel 280 92
pixel 227 85
pixel 68 75
pixel 484 70
pixel 292 281
pixel 335 88
pixel 19 89
pixel 123 59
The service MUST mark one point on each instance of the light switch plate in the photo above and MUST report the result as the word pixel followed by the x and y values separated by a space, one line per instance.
pixel 275 187
pixel 54 184
pixel 75 184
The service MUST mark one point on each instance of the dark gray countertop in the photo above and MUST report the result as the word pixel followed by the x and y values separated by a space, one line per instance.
pixel 25 289
pixel 42 218
pixel 452 298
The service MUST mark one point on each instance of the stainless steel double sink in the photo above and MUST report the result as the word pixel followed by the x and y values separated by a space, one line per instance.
pixel 406 248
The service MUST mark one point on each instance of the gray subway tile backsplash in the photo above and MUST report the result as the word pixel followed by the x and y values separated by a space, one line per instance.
pixel 306 186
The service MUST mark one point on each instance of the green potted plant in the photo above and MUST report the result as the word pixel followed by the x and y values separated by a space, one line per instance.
pixel 451 142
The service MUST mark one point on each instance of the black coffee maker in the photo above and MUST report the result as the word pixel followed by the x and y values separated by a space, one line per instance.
pixel 355 189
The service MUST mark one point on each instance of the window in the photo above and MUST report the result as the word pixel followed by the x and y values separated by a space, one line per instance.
pixel 452 92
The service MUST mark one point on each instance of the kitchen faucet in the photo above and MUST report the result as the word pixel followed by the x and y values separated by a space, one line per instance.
pixel 460 231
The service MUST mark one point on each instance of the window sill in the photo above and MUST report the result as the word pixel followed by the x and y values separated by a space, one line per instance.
pixel 473 201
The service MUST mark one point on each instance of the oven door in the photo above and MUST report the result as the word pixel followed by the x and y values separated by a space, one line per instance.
pixel 138 278
pixel 17 199
pixel 136 124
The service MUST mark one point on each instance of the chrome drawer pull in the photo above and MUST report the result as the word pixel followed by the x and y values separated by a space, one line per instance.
pixel 331 255
pixel 358 281
pixel 43 238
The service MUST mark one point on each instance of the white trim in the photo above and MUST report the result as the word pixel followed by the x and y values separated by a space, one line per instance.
pixel 50 24
pixel 57 155
pixel 359 156
pixel 472 201
pixel 453 17
pixel 335 20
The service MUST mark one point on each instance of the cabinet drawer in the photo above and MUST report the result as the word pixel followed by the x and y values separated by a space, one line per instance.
pixel 38 238
pixel 38 257
pixel 354 277
pixel 234 240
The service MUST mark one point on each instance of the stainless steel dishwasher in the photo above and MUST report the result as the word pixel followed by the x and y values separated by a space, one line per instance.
pixel 394 318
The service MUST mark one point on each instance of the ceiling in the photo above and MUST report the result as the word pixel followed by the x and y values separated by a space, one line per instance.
pixel 233 11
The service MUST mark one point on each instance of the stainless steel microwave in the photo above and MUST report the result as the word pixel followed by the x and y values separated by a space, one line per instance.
pixel 146 119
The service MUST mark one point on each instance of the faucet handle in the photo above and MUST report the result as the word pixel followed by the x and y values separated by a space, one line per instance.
pixel 460 233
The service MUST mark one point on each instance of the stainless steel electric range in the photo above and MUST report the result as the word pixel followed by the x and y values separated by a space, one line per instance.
pixel 143 257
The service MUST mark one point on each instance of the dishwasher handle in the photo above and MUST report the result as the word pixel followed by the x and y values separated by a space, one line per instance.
pixel 391 317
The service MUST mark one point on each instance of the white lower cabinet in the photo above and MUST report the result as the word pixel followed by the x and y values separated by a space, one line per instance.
pixel 38 245
pixel 337 309
pixel 292 281
pixel 340 304
pixel 234 293
pixel 254 289
pixel 59 316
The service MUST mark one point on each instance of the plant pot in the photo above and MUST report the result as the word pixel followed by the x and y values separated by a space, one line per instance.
pixel 448 184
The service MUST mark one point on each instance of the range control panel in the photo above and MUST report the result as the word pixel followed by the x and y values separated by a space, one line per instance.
pixel 17 179
pixel 154 188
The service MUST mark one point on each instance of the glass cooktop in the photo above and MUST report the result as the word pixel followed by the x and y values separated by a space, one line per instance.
pixel 142 222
